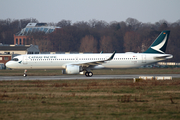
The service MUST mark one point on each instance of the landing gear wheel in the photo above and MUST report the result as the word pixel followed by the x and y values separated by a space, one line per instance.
pixel 25 75
pixel 88 74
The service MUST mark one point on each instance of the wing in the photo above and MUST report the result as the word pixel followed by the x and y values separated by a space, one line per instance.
pixel 94 63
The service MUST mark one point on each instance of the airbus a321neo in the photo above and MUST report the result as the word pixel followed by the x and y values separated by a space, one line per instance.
pixel 76 63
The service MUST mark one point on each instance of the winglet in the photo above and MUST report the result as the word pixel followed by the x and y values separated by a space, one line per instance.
pixel 111 57
pixel 101 52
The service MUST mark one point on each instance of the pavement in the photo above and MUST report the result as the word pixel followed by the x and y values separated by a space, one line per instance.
pixel 81 77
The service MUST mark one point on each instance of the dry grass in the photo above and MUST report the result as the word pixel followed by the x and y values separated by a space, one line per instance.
pixel 90 99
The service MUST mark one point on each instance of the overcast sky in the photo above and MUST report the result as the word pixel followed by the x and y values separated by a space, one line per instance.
pixel 84 10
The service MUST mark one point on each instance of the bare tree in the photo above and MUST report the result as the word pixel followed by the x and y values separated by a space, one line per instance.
pixel 132 42
pixel 134 23
pixel 106 44
pixel 88 44
pixel 64 23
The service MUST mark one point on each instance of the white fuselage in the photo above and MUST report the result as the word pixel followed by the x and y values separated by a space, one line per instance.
pixel 60 61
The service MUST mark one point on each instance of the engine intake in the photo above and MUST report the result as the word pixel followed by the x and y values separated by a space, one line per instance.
pixel 71 69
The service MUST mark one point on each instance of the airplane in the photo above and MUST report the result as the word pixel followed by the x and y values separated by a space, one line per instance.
pixel 76 63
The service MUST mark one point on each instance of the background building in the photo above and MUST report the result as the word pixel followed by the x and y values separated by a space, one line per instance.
pixel 21 42
pixel 21 38
pixel 19 49
pixel 3 59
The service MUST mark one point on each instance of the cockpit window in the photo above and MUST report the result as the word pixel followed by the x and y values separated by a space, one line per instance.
pixel 15 59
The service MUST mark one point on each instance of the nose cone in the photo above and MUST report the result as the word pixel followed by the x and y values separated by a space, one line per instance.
pixel 9 64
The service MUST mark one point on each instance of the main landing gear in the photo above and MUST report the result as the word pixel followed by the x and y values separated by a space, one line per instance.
pixel 25 71
pixel 88 74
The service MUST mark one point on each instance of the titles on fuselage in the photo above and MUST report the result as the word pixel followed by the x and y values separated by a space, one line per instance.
pixel 42 57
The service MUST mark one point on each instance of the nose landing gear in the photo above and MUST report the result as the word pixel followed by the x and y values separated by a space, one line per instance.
pixel 25 73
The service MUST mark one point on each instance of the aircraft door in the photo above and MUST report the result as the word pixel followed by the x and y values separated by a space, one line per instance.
pixel 25 59
pixel 143 58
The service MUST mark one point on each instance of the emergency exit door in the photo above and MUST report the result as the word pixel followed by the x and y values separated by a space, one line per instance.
pixel 25 59
pixel 143 58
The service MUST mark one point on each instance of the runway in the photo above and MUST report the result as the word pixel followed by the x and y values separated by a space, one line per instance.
pixel 81 77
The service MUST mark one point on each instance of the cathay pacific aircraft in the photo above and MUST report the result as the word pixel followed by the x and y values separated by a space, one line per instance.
pixel 76 63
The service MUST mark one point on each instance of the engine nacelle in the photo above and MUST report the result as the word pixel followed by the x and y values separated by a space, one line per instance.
pixel 71 69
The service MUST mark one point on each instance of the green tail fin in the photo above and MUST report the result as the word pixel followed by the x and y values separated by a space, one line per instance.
pixel 159 45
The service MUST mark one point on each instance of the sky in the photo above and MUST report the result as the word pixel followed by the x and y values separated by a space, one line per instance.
pixel 146 11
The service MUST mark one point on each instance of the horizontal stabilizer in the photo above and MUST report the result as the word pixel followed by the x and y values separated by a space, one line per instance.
pixel 163 57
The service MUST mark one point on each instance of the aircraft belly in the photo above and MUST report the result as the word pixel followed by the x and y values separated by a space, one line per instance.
pixel 41 65
pixel 122 64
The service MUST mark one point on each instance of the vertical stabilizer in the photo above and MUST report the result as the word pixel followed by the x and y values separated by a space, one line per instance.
pixel 159 45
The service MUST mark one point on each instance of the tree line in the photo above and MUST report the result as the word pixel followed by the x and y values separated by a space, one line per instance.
pixel 95 36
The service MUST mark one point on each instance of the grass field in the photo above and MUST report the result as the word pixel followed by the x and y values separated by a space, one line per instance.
pixel 90 99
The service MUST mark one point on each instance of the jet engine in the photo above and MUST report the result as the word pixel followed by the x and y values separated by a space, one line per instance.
pixel 71 69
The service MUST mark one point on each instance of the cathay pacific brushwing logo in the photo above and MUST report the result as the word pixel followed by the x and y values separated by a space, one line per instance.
pixel 160 45
pixel 20 62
